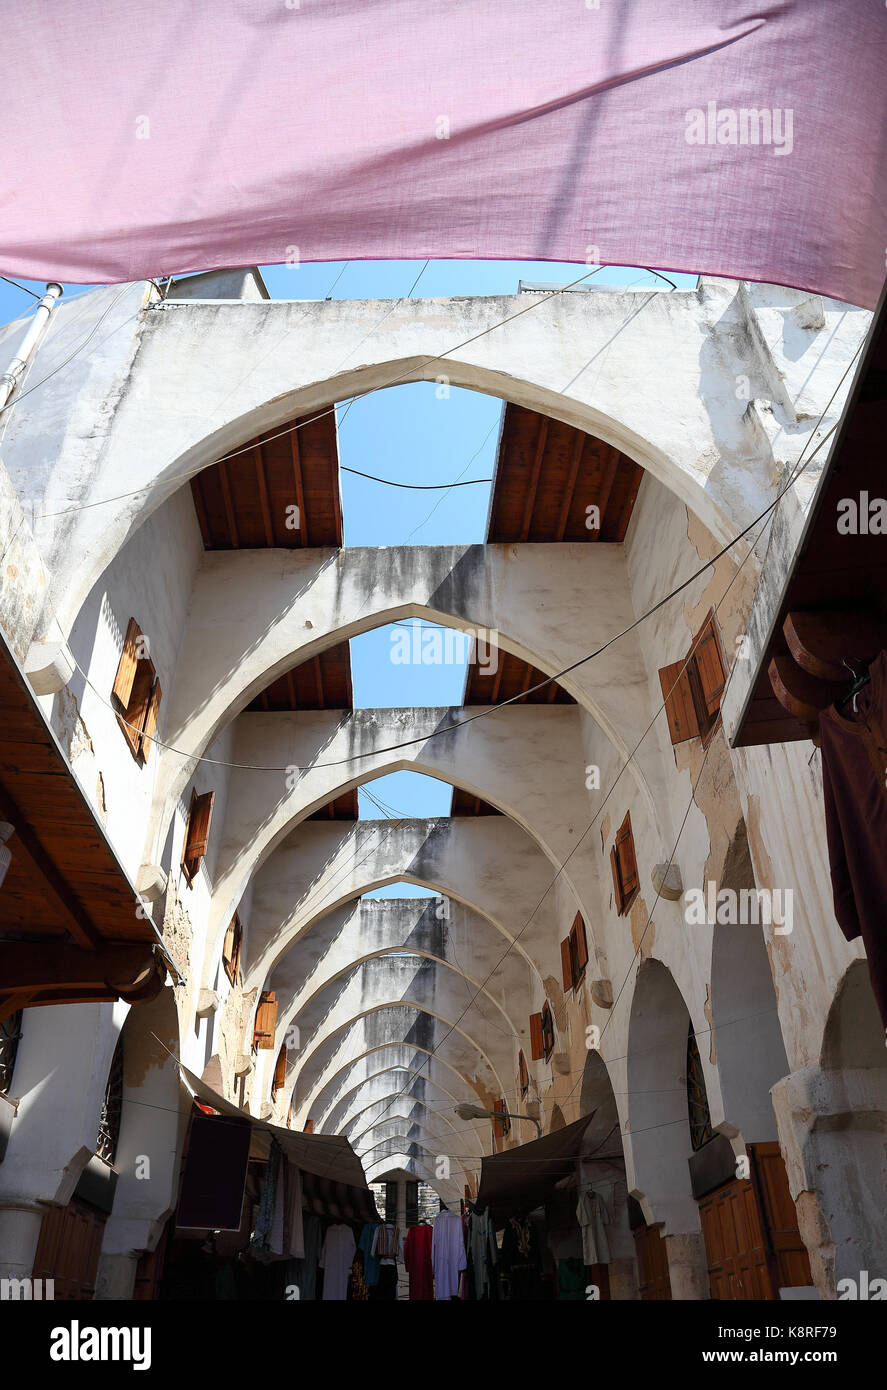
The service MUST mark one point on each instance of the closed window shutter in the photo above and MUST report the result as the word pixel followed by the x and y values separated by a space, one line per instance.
pixel 231 949
pixel 547 1031
pixel 522 1074
pixel 150 721
pixel 536 1048
pixel 580 949
pixel 309 1127
pixel 279 1070
pixel 617 882
pixel 198 825
pixel 126 668
pixel 266 1020
pixel 628 867
pixel 710 665
pixel 567 964
pixel 680 710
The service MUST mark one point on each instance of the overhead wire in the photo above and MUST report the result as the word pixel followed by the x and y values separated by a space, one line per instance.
pixel 799 468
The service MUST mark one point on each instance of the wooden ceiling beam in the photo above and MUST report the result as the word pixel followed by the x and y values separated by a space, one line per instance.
pixel 25 843
pixel 570 488
pixel 229 505
pixel 541 441
pixel 262 481
pixel 296 454
pixel 606 487
pixel 29 967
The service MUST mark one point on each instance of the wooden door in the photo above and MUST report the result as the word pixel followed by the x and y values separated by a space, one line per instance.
pixel 735 1243
pixel 68 1249
pixel 792 1263
pixel 654 1282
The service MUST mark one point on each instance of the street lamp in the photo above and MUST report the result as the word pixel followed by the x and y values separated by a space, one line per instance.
pixel 466 1110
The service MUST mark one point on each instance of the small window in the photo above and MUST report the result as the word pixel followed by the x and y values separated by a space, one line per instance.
pixel 266 1020
pixel 309 1127
pixel 136 693
pixel 197 833
pixel 623 862
pixel 279 1078
pixel 502 1123
pixel 10 1037
pixel 112 1109
pixel 536 1048
pixel 692 688
pixel 523 1075
pixel 547 1031
pixel 574 954
pixel 231 949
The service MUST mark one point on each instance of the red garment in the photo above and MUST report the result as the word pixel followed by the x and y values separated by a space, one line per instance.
pixel 417 1258
pixel 854 780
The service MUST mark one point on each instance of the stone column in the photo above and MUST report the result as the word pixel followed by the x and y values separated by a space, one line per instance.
pixel 833 1133
pixel 687 1266
pixel 20 1223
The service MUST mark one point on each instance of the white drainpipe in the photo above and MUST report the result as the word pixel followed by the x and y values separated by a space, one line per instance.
pixel 10 377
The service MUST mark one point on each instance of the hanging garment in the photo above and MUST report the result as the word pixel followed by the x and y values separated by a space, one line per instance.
pixel 484 1254
pixel 854 784
pixel 571 1280
pixel 293 1229
pixel 593 1216
pixel 447 1253
pixel 335 1260
pixel 306 1268
pixel 386 1289
pixel 267 1236
pixel 365 1245
pixel 358 1290
pixel 417 1258
pixel 386 1243
pixel 520 1258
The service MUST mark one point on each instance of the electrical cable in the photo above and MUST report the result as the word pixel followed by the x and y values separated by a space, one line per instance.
pixel 796 473
pixel 413 487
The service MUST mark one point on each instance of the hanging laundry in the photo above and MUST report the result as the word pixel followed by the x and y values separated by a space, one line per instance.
pixel 447 1253
pixel 484 1254
pixel 336 1258
pixel 293 1229
pixel 854 784
pixel 365 1246
pixel 417 1258
pixel 306 1268
pixel 594 1217
pixel 387 1250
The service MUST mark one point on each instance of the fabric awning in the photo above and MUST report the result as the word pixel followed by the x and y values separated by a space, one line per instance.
pixel 523 1178
pixel 326 1156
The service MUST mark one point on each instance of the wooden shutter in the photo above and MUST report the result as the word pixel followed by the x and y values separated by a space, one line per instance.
pixel 567 964
pixel 617 882
pixel 710 666
pixel 150 721
pixel 502 1125
pixel 680 710
pixel 279 1078
pixel 523 1075
pixel 580 944
pixel 536 1048
pixel 626 863
pixel 309 1127
pixel 231 949
pixel 266 1021
pixel 547 1031
pixel 198 825
pixel 126 667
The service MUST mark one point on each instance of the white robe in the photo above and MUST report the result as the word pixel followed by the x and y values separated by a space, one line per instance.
pixel 447 1253
pixel 335 1261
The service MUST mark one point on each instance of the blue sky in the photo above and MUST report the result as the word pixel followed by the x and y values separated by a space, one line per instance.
pixel 407 434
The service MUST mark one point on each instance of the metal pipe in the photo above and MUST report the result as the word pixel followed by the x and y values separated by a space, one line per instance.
pixel 9 379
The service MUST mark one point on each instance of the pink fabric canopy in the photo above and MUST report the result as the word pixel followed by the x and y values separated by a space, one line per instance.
pixel 151 137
